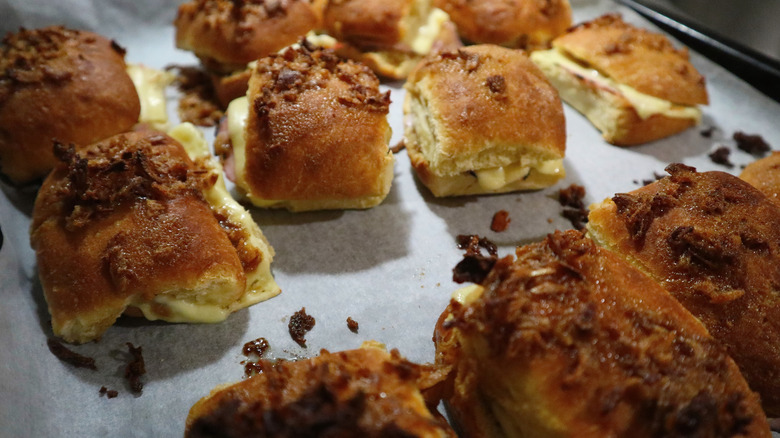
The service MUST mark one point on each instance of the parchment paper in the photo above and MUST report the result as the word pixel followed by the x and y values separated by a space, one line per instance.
pixel 389 268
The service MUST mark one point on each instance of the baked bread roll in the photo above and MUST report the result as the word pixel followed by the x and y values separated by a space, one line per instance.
pixel 483 119
pixel 357 393
pixel 764 174
pixel 226 35
pixel 229 87
pixel 569 340
pixel 390 36
pixel 523 24
pixel 632 84
pixel 133 225
pixel 311 134
pixel 58 83
pixel 711 240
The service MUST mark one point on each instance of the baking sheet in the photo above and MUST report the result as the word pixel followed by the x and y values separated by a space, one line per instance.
pixel 389 268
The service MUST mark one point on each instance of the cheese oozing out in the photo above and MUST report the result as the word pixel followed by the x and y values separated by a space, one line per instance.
pixel 527 173
pixel 150 85
pixel 550 61
pixel 422 40
pixel 420 31
pixel 468 294
pixel 494 178
pixel 207 304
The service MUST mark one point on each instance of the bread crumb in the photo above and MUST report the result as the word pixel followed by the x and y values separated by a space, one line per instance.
pixel 352 325
pixel 300 324
pixel 500 221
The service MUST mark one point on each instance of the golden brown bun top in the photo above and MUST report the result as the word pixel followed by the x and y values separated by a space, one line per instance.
pixel 125 220
pixel 714 242
pixel 644 60
pixel 27 54
pixel 618 355
pixel 228 34
pixel 105 177
pixel 367 24
pixel 525 24
pixel 708 231
pixel 317 127
pixel 764 174
pixel 78 77
pixel 285 77
pixel 493 94
pixel 358 393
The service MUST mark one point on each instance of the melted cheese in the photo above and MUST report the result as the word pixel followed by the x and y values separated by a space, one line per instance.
pixel 426 35
pixel 178 310
pixel 495 178
pixel 527 174
pixel 150 85
pixel 644 104
pixel 317 39
pixel 468 294
pixel 260 285
pixel 237 114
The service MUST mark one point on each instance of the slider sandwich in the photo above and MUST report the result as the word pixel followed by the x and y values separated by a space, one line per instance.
pixel 390 36
pixel 632 84
pixel 63 84
pixel 366 392
pixel 712 241
pixel 522 24
pixel 226 35
pixel 568 340
pixel 311 134
pixel 137 224
pixel 483 119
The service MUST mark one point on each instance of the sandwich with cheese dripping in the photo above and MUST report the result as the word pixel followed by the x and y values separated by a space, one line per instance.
pixel 569 340
pixel 522 24
pixel 483 119
pixel 390 36
pixel 311 134
pixel 632 84
pixel 366 392
pixel 136 224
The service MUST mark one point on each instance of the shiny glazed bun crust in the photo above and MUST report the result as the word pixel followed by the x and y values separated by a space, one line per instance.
pixel 569 340
pixel 712 240
pixel 123 225
pixel 317 133
pixel 227 34
pixel 632 84
pixel 477 108
pixel 365 392
pixel 639 58
pixel 62 84
pixel 523 24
